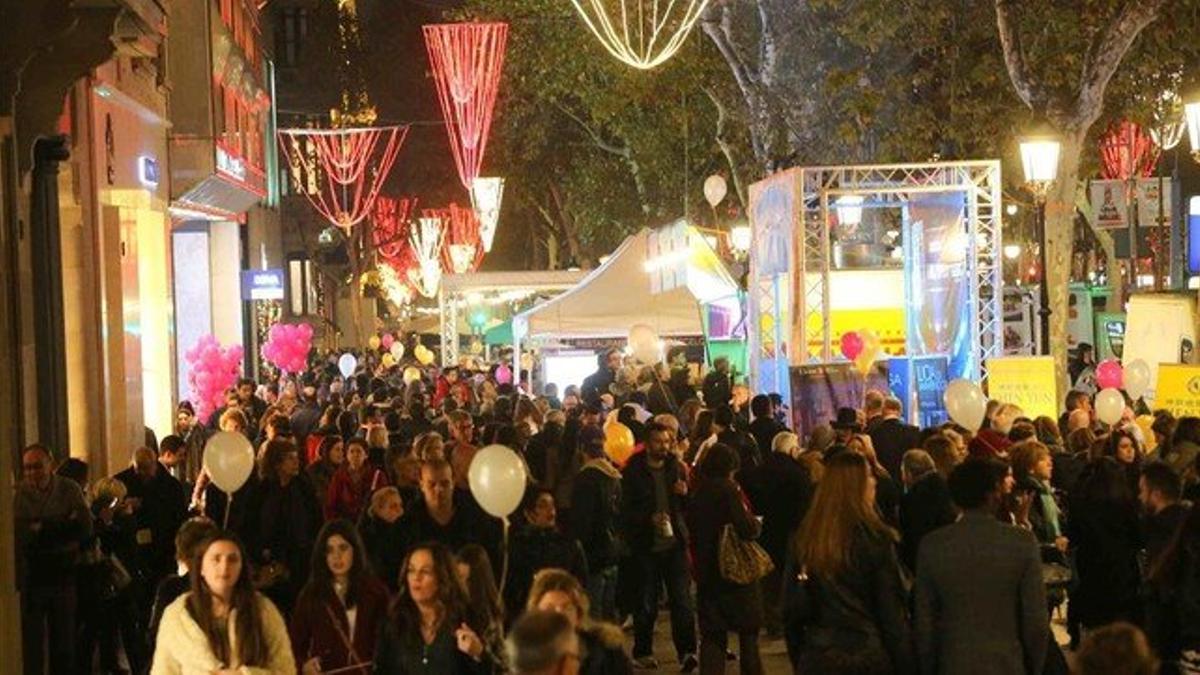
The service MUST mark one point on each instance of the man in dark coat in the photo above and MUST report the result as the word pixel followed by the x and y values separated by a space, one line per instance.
pixel 892 437
pixel 592 520
pixel 725 426
pixel 451 517
pixel 978 564
pixel 925 506
pixel 718 385
pixel 764 426
pixel 598 383
pixel 1159 491
pixel 538 545
pixel 307 415
pixel 780 490
pixel 653 499
pixel 159 507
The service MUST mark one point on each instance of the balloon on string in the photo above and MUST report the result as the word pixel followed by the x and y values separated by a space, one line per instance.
pixel 1109 374
pixel 1110 405
pixel 618 442
pixel 852 345
pixel 1136 378
pixel 423 355
pixel 1146 423
pixel 497 479
pixel 504 374
pixel 411 374
pixel 387 341
pixel 397 350
pixel 715 189
pixel 373 342
pixel 965 403
pixel 287 346
pixel 347 363
pixel 872 347
pixel 644 343
pixel 228 459
pixel 388 360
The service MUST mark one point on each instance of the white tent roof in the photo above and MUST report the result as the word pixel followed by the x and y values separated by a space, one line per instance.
pixel 615 296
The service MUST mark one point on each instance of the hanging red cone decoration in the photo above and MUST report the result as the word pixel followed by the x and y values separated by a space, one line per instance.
pixel 1127 151
pixel 467 59
pixel 461 249
pixel 356 162
pixel 391 225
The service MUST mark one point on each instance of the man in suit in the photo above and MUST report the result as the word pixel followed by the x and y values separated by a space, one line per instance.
pixel 892 437
pixel 979 601
pixel 925 506
pixel 765 426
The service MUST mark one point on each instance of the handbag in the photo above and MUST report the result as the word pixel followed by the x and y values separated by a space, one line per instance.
pixel 741 562
pixel 114 577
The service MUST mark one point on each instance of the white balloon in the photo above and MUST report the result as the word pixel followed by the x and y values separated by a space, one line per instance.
pixel 1110 405
pixel 229 459
pixel 397 350
pixel 644 343
pixel 346 364
pixel 715 189
pixel 965 403
pixel 497 478
pixel 1137 378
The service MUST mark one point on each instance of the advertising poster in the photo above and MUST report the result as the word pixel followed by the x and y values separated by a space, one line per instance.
pixel 1108 203
pixel 1026 381
pixel 929 385
pixel 819 390
pixel 1178 390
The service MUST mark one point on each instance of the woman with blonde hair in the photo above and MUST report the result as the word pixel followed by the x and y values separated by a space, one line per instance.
pixel 429 446
pixel 845 600
pixel 557 590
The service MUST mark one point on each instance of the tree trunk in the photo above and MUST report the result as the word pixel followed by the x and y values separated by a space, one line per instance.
pixel 1060 229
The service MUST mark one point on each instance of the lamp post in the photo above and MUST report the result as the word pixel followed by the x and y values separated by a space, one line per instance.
pixel 1039 159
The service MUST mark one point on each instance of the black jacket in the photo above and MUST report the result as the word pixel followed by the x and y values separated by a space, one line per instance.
pixel 531 549
pixel 162 511
pixel 596 384
pixel 603 651
pixel 595 511
pixel 1160 528
pixel 1106 538
pixel 386 547
pixel 780 490
pixel 892 438
pixel 638 505
pixel 722 605
pixel 717 389
pixel 924 508
pixel 469 525
pixel 763 430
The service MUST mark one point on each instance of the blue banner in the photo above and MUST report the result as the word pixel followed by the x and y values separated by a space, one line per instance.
pixel 929 385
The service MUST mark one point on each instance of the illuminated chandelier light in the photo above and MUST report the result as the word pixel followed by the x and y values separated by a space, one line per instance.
pixel 486 196
pixel 467 59
pixel 461 252
pixel 641 33
pixel 395 288
pixel 427 246
pixel 390 226
pixel 1169 124
pixel 356 162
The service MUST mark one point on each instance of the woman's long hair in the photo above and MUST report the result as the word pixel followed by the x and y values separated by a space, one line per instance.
pixel 840 508
pixel 320 579
pixel 252 644
pixel 482 595
pixel 406 617
pixel 555 579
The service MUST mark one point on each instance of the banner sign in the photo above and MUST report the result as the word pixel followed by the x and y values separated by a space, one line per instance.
pixel 1178 389
pixel 819 390
pixel 928 386
pixel 1029 382
pixel 262 284
pixel 1108 203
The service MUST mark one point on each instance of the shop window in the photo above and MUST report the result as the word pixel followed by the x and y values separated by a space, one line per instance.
pixel 302 287
pixel 295 27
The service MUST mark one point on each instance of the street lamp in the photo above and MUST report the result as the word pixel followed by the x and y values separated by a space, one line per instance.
pixel 1039 159
pixel 1191 114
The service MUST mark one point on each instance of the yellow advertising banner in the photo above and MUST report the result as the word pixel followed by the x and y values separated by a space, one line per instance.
pixel 1178 389
pixel 1026 381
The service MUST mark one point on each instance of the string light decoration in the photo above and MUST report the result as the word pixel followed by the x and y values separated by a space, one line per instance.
pixel 1168 122
pixel 641 33
pixel 461 250
pixel 467 59
pixel 426 240
pixel 395 287
pixel 390 226
pixel 486 195
pixel 355 164
pixel 1127 151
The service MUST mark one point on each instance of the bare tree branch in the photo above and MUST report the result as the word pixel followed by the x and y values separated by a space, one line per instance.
pixel 1105 54
pixel 1029 90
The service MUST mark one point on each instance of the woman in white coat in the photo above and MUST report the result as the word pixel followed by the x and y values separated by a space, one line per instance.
pixel 222 626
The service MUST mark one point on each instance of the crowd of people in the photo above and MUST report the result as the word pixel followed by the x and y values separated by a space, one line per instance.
pixel 357 545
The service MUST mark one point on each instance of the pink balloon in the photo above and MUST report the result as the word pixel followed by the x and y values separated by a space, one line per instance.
pixel 387 340
pixel 287 347
pixel 211 372
pixel 852 345
pixel 504 375
pixel 1109 374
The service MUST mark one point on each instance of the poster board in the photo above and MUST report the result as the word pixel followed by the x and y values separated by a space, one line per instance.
pixel 1178 389
pixel 1029 382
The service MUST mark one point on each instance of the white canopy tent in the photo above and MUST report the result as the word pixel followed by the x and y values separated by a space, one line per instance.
pixel 617 295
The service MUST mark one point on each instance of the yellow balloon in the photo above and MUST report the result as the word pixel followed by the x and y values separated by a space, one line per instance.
pixel 374 342
pixel 411 374
pixel 618 442
pixel 424 356
pixel 388 361
pixel 611 418
pixel 1144 422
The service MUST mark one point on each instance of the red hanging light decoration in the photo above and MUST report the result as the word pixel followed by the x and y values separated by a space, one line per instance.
pixel 467 59
pixel 462 250
pixel 1127 151
pixel 391 226
pixel 356 163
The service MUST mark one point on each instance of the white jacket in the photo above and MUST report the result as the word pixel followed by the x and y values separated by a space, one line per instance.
pixel 182 647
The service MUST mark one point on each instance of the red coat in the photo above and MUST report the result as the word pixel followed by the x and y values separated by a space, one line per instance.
pixel 346 497
pixel 319 627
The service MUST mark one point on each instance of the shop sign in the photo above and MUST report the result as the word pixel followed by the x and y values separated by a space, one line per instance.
pixel 1028 382
pixel 229 165
pixel 262 284
pixel 1178 389
pixel 148 171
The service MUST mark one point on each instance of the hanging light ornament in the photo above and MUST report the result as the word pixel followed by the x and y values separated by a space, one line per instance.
pixel 356 163
pixel 395 288
pixel 390 226
pixel 1127 151
pixel 427 246
pixel 486 195
pixel 467 59
pixel 461 250
pixel 641 33
pixel 1168 124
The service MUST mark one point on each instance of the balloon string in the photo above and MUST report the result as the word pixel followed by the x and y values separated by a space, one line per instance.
pixel 504 566
pixel 228 508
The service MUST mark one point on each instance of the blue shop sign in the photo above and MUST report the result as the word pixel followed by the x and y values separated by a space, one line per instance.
pixel 262 284
pixel 929 385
